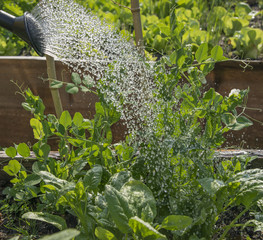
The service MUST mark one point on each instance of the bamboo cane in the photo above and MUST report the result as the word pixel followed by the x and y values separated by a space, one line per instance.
pixel 135 9
pixel 51 71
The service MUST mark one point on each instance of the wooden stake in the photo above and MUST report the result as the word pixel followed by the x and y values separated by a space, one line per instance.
pixel 135 9
pixel 51 71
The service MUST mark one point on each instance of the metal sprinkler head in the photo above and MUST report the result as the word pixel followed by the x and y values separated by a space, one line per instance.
pixel 25 27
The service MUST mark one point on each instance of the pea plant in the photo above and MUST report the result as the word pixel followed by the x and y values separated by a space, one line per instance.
pixel 171 185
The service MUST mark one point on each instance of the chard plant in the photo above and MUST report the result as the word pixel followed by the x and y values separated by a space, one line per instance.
pixel 168 185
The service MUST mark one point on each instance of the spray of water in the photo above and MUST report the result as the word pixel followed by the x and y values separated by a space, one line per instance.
pixel 90 46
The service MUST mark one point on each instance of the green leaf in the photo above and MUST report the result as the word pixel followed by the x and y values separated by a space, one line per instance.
pixel 103 234
pixel 67 234
pixel 228 119
pixel 140 201
pixel 76 78
pixel 27 107
pixel 176 222
pixel 211 186
pixel 88 81
pixel 32 179
pixel 119 208
pixel 15 238
pixel 202 52
pixel 71 88
pixel 10 152
pixel 251 186
pixel 93 177
pixel 23 150
pixel 99 109
pixel 242 9
pixel 209 95
pixel 217 53
pixel 144 229
pixel 65 119
pixel 56 84
pixel 119 179
pixel 37 128
pixel 258 225
pixel 12 168
pixel 240 123
pixel 49 178
pixel 56 221
pixel 78 119
pixel 209 128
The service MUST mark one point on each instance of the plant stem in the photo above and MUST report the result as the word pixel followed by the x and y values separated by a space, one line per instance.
pixel 232 224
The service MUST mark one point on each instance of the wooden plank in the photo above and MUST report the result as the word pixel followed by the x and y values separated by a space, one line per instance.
pixel 28 162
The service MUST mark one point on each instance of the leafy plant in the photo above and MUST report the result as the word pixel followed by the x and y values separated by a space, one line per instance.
pixel 248 43
pixel 168 185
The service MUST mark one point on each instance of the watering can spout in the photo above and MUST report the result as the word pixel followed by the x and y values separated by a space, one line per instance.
pixel 24 27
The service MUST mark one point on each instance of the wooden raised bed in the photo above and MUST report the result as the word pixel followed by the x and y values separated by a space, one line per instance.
pixel 231 74
pixel 31 72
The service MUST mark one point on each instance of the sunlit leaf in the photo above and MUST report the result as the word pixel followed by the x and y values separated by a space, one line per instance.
pixel 67 234
pixel 118 208
pixel 176 222
pixel 55 220
pixel 23 150
pixel 145 229
pixel 202 52
pixel 104 234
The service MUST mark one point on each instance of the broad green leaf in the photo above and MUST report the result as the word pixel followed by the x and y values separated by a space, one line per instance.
pixel 173 57
pixel 15 238
pixel 49 178
pixel 84 89
pixel 93 177
pixel 251 186
pixel 78 119
pixel 23 150
pixel 119 208
pixel 56 84
pixel 242 9
pixel 119 179
pixel 202 52
pixel 99 109
pixel 76 78
pixel 88 81
pixel 176 222
pixel 71 88
pixel 104 234
pixel 144 229
pixel 32 179
pixel 10 152
pixel 67 234
pixel 240 123
pixel 211 186
pixel 65 119
pixel 55 220
pixel 12 168
pixel 37 128
pixel 228 119
pixel 217 53
pixel 258 225
pixel 139 201
pixel 209 95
